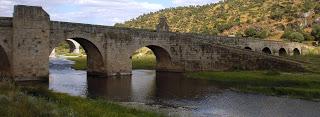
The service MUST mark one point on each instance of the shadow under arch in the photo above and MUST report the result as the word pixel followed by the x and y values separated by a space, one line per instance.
pixel 266 50
pixel 296 51
pixel 5 67
pixel 282 52
pixel 95 63
pixel 163 58
pixel 247 48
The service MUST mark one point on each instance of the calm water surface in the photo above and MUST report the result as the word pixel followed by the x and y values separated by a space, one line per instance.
pixel 175 94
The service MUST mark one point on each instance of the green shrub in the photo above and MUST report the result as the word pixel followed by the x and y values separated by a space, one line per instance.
pixel 296 37
pixel 286 34
pixel 250 32
pixel 316 32
pixel 307 36
pixel 223 27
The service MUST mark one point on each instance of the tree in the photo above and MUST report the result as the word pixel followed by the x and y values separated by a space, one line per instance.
pixel 316 32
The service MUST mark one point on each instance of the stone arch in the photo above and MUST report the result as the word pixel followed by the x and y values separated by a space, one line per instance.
pixel 74 47
pixel 282 52
pixel 95 61
pixel 163 58
pixel 266 50
pixel 5 67
pixel 247 48
pixel 296 51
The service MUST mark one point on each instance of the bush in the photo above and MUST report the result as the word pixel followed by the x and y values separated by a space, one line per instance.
pixel 316 32
pixel 250 32
pixel 223 27
pixel 296 37
pixel 286 34
pixel 307 36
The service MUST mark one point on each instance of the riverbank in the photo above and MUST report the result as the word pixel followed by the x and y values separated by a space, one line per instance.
pixel 138 62
pixel 38 101
pixel 296 85
pixel 80 62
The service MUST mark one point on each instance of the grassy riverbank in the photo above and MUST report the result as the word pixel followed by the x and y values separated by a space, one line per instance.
pixel 80 62
pixel 298 85
pixel 147 61
pixel 37 102
pixel 138 62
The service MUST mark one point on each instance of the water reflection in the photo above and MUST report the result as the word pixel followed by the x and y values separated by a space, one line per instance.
pixel 196 97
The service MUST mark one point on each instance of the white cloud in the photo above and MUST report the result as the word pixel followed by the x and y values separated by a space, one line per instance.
pixel 193 2
pixel 105 12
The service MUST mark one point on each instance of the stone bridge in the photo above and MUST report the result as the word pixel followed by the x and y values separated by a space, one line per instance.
pixel 28 38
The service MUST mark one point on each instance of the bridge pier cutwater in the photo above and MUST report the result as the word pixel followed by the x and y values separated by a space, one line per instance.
pixel 28 38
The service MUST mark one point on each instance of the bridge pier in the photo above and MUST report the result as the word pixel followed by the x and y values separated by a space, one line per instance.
pixel 30 54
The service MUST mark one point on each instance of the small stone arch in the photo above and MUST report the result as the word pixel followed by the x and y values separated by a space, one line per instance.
pixel 266 50
pixel 5 67
pixel 247 48
pixel 282 52
pixel 296 51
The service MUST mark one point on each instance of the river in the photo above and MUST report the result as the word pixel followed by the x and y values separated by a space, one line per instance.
pixel 174 95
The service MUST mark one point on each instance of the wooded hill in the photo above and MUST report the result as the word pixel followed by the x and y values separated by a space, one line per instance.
pixel 267 19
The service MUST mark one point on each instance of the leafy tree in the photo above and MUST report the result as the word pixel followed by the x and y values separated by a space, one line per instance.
pixel 316 32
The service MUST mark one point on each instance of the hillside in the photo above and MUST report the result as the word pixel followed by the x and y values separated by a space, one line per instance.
pixel 256 18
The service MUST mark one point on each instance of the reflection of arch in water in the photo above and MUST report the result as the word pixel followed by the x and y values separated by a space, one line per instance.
pixel 95 63
pixel 296 51
pixel 4 63
pixel 174 85
pixel 110 88
pixel 266 50
pixel 247 48
pixel 282 52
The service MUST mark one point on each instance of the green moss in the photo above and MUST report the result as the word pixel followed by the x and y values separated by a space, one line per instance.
pixel 38 102
pixel 300 85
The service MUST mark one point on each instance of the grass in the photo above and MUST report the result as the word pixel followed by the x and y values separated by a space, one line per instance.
pixel 298 85
pixel 313 62
pixel 138 62
pixel 40 102
pixel 80 62
pixel 147 61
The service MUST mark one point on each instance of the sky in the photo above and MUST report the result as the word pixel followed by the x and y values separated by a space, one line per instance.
pixel 102 12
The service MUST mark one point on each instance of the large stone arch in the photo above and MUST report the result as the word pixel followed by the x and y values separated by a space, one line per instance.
pixel 5 66
pixel 95 59
pixel 163 57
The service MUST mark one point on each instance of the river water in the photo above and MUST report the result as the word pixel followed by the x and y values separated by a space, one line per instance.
pixel 174 95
